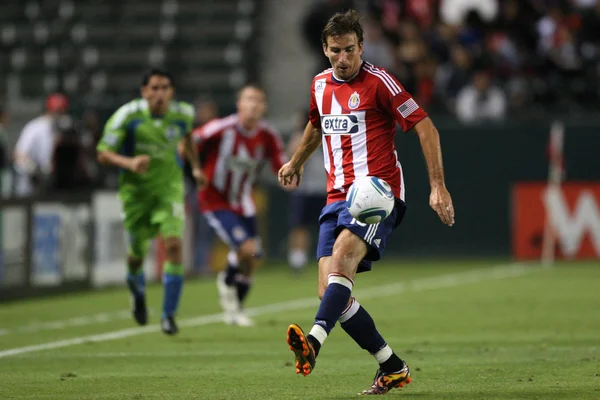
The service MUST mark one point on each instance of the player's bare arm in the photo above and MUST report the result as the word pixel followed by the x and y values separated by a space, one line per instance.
pixel 293 144
pixel 138 164
pixel 191 153
pixel 311 139
pixel 439 199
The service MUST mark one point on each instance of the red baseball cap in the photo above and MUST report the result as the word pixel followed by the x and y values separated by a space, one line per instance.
pixel 57 102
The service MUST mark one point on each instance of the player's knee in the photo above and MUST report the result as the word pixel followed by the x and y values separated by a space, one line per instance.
pixel 348 251
pixel 173 249
pixel 134 263
pixel 247 251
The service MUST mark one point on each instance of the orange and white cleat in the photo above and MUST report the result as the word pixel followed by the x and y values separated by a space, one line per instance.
pixel 303 350
pixel 384 382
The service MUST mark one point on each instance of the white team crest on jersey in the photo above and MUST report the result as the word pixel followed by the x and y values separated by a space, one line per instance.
pixel 172 132
pixel 320 85
pixel 354 101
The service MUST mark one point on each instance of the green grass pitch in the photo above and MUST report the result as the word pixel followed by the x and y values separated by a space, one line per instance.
pixel 468 330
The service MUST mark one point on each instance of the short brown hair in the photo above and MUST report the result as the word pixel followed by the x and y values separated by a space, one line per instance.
pixel 251 85
pixel 342 24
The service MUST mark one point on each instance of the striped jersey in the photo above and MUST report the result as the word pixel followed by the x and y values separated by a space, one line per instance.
pixel 232 159
pixel 358 121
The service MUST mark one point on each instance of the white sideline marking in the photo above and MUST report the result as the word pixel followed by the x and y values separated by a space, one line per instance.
pixel 68 323
pixel 417 285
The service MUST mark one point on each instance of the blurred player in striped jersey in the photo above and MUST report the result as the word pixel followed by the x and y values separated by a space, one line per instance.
pixel 233 150
pixel 353 113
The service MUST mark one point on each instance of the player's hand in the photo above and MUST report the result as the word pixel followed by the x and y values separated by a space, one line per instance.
pixel 289 175
pixel 140 164
pixel 201 180
pixel 441 202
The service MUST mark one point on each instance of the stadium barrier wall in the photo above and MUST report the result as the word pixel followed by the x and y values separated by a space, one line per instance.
pixel 482 164
pixel 574 212
pixel 56 244
pixel 63 243
pixel 45 245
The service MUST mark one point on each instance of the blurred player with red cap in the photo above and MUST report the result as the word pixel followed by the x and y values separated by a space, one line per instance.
pixel 57 103
pixel 34 149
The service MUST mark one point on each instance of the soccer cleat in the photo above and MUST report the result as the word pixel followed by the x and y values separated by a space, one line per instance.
pixel 384 382
pixel 139 310
pixel 303 350
pixel 242 319
pixel 228 299
pixel 169 326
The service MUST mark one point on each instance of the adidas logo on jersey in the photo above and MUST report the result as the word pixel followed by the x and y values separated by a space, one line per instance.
pixel 339 124
pixel 377 242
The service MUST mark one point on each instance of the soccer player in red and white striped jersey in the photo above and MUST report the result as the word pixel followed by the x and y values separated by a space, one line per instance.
pixel 354 109
pixel 233 150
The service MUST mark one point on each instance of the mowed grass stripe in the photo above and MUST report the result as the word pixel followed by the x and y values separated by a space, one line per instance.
pixel 437 282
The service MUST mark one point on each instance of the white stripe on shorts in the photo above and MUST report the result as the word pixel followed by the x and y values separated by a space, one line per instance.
pixel 370 235
pixel 218 227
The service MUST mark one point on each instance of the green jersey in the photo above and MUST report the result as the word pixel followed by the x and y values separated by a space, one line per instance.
pixel 132 131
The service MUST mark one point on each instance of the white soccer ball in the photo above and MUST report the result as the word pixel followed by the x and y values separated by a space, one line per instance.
pixel 370 200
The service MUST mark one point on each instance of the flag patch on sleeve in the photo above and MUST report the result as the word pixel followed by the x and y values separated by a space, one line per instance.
pixel 408 107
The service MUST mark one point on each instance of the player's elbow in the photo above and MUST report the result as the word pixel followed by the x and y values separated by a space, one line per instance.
pixel 426 130
pixel 102 158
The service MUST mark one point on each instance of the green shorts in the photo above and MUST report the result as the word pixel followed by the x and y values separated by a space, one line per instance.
pixel 144 219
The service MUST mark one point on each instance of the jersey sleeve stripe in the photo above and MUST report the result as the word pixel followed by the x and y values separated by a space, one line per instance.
pixel 385 78
pixel 390 88
pixel 384 73
pixel 122 114
pixel 391 80
pixel 187 109
pixel 324 72
pixel 216 126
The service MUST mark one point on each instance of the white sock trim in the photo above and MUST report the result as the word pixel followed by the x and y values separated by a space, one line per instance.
pixel 340 279
pixel 350 311
pixel 319 333
pixel 232 258
pixel 297 258
pixel 384 354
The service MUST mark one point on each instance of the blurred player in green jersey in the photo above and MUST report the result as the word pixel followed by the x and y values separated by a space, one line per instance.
pixel 141 138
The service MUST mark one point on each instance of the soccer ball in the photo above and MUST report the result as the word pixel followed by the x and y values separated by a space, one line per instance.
pixel 370 200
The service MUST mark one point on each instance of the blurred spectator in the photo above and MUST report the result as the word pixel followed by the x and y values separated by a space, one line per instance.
pixel 411 50
pixel 454 12
pixel 516 21
pixel 377 49
pixel 424 75
pixel 412 47
pixel 91 132
pixel 545 53
pixel 3 124
pixel 452 76
pixel 34 149
pixel 314 22
pixel 69 165
pixel 480 100
pixel 590 34
pixel 421 11
pixel 584 4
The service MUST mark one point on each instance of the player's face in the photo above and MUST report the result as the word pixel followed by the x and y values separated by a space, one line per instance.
pixel 344 53
pixel 251 105
pixel 158 92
